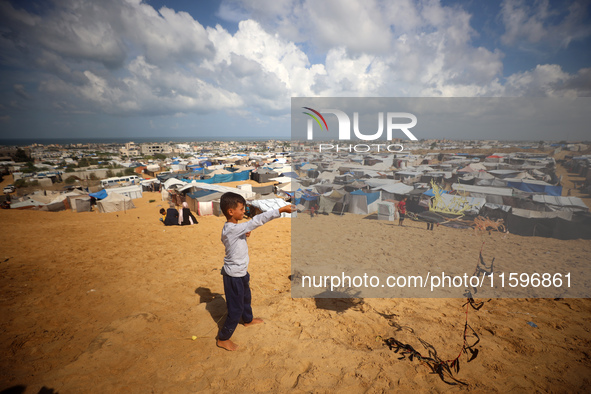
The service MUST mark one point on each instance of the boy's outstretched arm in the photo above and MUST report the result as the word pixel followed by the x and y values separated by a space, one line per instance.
pixel 287 209
pixel 259 220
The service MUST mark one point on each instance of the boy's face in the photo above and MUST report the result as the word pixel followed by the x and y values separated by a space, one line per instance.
pixel 238 212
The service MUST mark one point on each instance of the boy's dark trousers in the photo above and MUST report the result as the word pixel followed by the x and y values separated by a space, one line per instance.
pixel 238 298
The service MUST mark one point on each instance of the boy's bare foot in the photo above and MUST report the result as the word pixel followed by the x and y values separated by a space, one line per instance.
pixel 254 321
pixel 227 344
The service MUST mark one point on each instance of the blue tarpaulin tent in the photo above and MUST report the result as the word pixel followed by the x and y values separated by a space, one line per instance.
pixel 99 195
pixel 222 178
pixel 535 188
pixel 371 197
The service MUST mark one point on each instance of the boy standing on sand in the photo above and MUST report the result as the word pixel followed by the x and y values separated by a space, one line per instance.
pixel 235 270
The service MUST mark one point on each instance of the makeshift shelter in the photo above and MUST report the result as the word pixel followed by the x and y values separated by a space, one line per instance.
pixel 538 187
pixel 132 192
pixel 386 211
pixel 328 201
pixel 263 175
pixel 99 195
pixel 363 203
pixel 561 225
pixel 202 200
pixel 558 203
pixel 82 204
pixel 393 191
pixel 290 186
pixel 114 203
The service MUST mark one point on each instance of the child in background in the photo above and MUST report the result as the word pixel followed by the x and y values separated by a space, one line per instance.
pixel 402 210
pixel 163 214
pixel 235 269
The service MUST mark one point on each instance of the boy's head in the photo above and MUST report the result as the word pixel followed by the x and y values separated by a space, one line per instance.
pixel 232 204
pixel 162 211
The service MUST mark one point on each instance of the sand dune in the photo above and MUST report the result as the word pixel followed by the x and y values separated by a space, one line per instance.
pixel 109 303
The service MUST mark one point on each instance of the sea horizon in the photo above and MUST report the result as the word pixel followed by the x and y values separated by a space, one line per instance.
pixel 119 140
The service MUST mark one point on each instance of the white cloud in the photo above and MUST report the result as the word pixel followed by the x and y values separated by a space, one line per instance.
pixel 124 57
pixel 542 23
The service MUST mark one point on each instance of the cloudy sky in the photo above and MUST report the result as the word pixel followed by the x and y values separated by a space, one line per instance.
pixel 228 68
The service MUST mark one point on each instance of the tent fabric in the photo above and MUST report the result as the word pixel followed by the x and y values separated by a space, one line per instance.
pixel 386 211
pixel 482 189
pixel 328 201
pixel 560 225
pixel 363 203
pixel 282 179
pixel 99 195
pixel 200 193
pixel 395 188
pixel 82 205
pixel 536 188
pixel 172 182
pixel 224 178
pixel 561 202
pixel 290 174
pixel 114 203
pixel 204 208
pixel 132 192
pixel 290 186
pixel 263 189
pixel 219 188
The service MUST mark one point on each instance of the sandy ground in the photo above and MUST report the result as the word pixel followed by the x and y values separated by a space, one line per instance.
pixel 103 303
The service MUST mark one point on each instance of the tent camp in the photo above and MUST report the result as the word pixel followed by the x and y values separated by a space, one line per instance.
pixel 114 203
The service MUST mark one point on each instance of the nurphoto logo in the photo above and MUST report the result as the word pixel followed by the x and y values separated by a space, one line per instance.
pixel 392 120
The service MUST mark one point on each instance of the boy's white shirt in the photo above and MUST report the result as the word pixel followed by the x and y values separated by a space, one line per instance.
pixel 234 239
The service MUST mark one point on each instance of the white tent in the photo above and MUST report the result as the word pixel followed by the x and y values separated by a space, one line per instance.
pixel 290 186
pixel 114 203
pixel 173 181
pixel 218 188
pixel 363 203
pixel 558 203
pixel 134 191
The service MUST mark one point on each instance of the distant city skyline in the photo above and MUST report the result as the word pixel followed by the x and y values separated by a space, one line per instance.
pixel 129 69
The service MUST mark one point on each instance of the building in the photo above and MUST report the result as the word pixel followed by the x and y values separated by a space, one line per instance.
pixel 152 149
pixel 130 150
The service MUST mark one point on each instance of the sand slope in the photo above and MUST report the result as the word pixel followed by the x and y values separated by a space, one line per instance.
pixel 109 302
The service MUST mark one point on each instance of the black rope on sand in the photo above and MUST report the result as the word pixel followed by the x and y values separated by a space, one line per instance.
pixel 446 369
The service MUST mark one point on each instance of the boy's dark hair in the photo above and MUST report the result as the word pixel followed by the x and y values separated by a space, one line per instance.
pixel 162 211
pixel 230 201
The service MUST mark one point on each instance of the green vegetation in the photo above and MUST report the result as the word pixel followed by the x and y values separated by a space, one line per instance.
pixel 21 156
pixel 29 168
pixel 71 179
pixel 21 183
